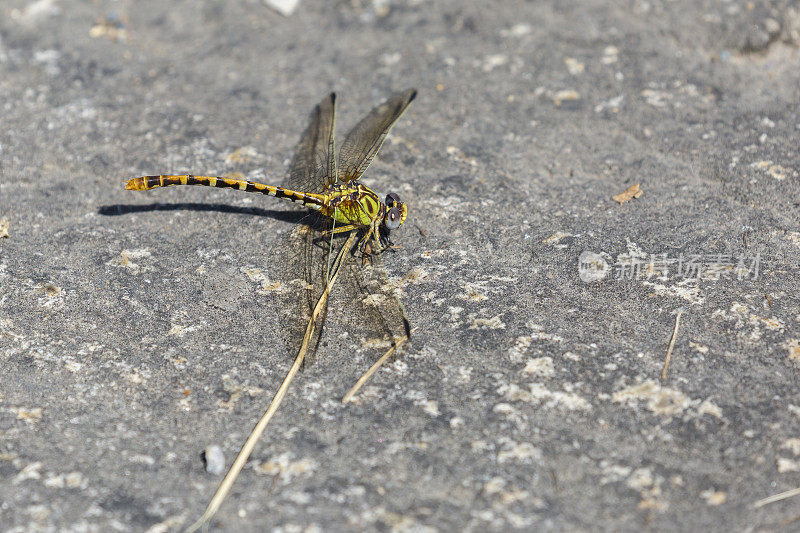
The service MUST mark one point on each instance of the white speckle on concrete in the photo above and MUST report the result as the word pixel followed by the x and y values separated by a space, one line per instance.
pixel 574 66
pixel 486 323
pixel 714 497
pixel 787 465
pixel 31 471
pixel 523 452
pixel 792 445
pixel 493 61
pixel 539 394
pixel 126 259
pixel 539 367
pixel 285 467
pixel 284 7
pixel 664 400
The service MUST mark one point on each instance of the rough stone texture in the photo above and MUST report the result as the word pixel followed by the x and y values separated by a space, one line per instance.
pixel 135 330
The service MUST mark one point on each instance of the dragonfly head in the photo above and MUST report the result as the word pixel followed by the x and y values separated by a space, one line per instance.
pixel 396 212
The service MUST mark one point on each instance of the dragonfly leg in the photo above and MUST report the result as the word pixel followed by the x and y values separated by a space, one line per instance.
pixel 340 229
pixel 365 247
pixel 383 237
pixel 371 243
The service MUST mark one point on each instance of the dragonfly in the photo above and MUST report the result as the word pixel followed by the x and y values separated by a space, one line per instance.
pixel 329 186
pixel 321 182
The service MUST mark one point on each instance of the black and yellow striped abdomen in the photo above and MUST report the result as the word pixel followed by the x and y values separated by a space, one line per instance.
pixel 145 183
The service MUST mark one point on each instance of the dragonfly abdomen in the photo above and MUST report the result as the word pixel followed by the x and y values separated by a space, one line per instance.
pixel 145 183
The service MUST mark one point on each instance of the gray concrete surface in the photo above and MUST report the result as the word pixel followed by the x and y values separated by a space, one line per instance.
pixel 137 329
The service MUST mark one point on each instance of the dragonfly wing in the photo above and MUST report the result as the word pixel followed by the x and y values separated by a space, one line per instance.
pixel 365 139
pixel 302 271
pixel 313 167
pixel 384 316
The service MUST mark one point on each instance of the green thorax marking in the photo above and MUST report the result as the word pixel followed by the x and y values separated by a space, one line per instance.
pixel 353 203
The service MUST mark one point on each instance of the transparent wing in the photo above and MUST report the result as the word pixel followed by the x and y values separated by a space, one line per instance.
pixel 368 302
pixel 314 163
pixel 365 139
pixel 302 270
pixel 383 312
pixel 305 256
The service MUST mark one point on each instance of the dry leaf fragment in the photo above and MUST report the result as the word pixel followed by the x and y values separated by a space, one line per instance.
pixel 631 192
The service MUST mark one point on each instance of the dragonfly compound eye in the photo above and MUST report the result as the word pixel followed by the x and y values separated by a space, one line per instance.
pixel 393 219
pixel 392 199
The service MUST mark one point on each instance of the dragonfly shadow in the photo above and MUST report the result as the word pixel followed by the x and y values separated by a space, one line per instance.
pixel 276 214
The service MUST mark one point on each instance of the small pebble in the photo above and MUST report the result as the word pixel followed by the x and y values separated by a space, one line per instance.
pixel 214 459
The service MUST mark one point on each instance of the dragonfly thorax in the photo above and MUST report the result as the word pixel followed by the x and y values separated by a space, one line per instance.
pixel 356 204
